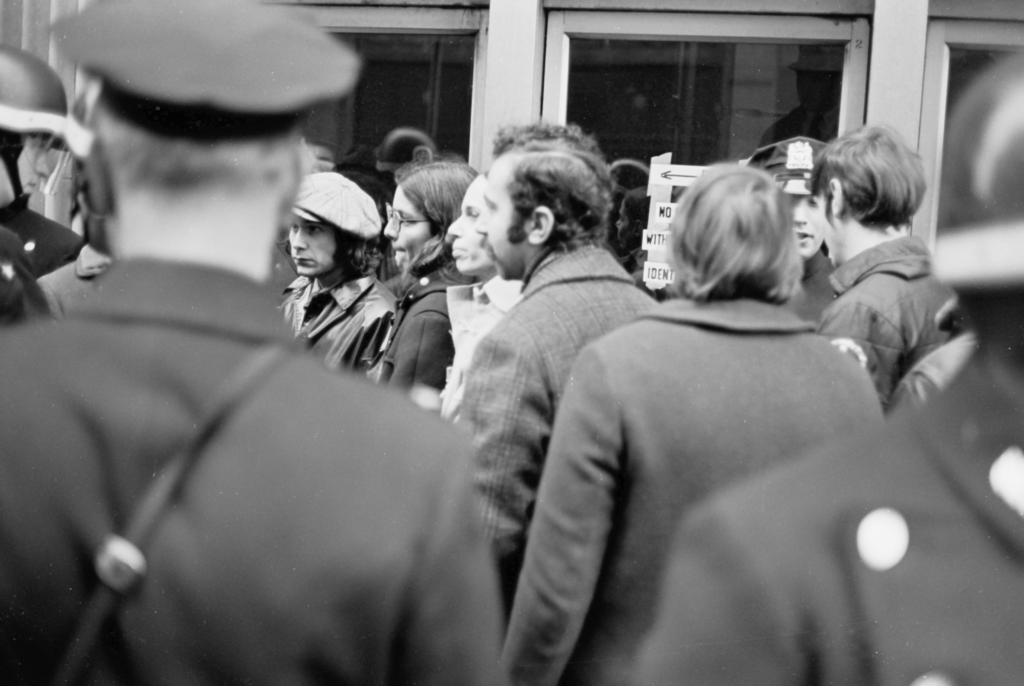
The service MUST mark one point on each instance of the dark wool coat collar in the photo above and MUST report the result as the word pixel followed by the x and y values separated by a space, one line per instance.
pixel 425 285
pixel 344 293
pixel 19 205
pixel 587 263
pixel 738 316
pixel 818 262
pixel 906 257
pixel 187 296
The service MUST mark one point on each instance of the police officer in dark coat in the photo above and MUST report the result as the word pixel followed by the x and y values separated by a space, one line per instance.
pixel 20 296
pixel 32 117
pixel 896 558
pixel 791 163
pixel 310 542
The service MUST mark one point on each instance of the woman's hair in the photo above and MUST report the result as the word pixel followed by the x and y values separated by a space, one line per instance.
pixel 733 238
pixel 436 189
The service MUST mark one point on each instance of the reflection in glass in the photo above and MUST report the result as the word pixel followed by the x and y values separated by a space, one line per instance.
pixel 408 80
pixel 704 102
pixel 965 64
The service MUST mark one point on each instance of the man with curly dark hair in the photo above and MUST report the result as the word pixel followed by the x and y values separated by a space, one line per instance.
pixel 547 206
pixel 569 136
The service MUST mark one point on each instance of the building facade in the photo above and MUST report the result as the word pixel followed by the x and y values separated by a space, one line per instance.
pixel 706 80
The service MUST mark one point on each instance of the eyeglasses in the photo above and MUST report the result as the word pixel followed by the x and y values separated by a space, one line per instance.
pixel 401 221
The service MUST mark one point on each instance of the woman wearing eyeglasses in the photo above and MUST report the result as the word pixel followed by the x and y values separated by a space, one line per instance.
pixel 427 200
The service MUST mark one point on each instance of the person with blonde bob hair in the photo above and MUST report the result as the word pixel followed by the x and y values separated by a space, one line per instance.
pixel 732 238
pixel 693 395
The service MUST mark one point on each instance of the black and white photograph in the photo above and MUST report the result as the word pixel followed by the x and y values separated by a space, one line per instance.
pixel 511 343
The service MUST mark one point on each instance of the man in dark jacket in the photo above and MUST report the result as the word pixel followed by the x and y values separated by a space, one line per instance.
pixel 337 307
pixel 791 163
pixel 870 185
pixel 548 206
pixel 32 115
pixel 896 558
pixel 311 542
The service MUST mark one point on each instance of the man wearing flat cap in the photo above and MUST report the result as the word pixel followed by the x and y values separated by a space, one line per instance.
pixel 293 536
pixel 337 307
pixel 791 163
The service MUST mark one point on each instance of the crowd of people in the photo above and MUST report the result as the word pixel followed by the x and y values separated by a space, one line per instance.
pixel 465 444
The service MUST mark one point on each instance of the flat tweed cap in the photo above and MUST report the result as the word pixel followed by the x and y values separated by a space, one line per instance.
pixel 225 55
pixel 330 197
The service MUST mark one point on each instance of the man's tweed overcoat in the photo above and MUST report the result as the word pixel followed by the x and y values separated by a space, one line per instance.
pixel 517 377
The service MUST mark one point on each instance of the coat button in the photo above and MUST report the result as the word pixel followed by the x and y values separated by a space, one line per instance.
pixel 30 246
pixel 1007 478
pixel 933 679
pixel 882 539
pixel 425 280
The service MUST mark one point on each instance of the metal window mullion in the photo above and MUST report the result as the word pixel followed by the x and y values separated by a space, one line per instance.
pixel 933 125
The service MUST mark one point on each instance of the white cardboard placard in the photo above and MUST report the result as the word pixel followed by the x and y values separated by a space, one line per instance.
pixel 660 191
pixel 664 212
pixel 655 240
pixel 674 174
pixel 658 274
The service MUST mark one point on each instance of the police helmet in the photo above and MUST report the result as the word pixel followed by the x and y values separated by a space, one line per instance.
pixel 981 216
pixel 32 98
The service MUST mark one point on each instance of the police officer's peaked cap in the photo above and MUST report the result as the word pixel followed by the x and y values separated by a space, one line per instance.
pixel 981 213
pixel 207 68
pixel 32 96
pixel 791 162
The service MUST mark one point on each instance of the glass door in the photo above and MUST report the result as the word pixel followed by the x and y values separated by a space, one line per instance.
pixel 706 88
pixel 957 51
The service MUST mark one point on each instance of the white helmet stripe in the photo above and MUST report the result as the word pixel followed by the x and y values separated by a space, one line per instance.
pixel 985 256
pixel 25 121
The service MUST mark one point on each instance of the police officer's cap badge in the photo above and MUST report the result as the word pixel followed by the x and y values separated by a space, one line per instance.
pixel 800 155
